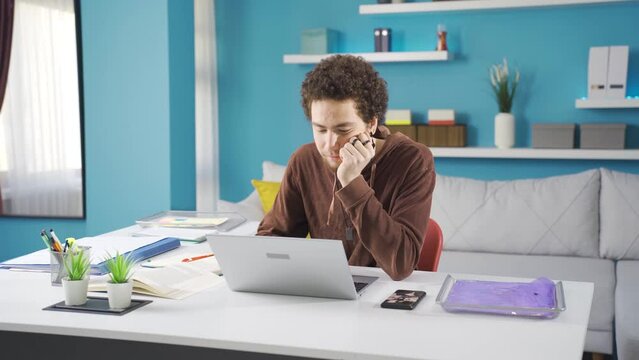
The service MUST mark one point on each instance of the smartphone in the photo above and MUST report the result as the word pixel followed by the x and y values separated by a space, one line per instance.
pixel 404 299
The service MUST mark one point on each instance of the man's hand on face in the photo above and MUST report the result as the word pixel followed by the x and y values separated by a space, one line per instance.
pixel 355 154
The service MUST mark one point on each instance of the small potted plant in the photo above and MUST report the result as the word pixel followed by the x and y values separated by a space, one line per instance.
pixel 504 88
pixel 119 288
pixel 76 283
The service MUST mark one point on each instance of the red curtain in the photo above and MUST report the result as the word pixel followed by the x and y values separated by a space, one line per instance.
pixel 6 32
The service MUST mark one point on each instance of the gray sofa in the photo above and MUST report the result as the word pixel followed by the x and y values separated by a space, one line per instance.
pixel 582 227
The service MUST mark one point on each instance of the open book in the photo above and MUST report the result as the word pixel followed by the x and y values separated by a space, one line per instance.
pixel 176 281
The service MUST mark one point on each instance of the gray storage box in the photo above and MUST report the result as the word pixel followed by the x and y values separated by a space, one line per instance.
pixel 602 136
pixel 553 136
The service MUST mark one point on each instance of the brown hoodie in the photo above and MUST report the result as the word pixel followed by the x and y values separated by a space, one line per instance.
pixel 381 216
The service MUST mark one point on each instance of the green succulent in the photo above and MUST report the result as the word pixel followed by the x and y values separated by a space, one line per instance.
pixel 120 267
pixel 77 265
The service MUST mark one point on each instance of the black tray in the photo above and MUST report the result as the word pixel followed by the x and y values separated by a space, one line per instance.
pixel 97 305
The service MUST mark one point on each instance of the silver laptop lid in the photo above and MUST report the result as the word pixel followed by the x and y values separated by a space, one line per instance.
pixel 282 265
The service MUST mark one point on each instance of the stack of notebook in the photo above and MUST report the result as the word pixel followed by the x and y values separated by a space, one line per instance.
pixel 102 247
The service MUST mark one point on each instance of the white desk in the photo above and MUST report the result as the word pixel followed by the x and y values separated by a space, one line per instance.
pixel 310 327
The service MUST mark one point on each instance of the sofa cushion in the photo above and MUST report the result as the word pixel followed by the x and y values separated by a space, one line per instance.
pixel 551 216
pixel 267 190
pixel 251 206
pixel 627 303
pixel 619 215
pixel 272 171
pixel 601 272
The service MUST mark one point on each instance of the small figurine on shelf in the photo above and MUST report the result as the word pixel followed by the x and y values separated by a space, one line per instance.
pixel 441 38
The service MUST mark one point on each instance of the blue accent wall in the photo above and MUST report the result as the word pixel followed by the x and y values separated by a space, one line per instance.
pixel 182 93
pixel 138 123
pixel 261 117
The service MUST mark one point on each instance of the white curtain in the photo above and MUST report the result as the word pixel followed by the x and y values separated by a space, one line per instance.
pixel 40 119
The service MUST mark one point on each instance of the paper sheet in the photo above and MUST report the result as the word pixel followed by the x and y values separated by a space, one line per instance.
pixel 190 221
pixel 208 264
pixel 180 233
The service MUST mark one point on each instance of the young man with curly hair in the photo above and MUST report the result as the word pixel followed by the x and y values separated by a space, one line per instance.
pixel 355 183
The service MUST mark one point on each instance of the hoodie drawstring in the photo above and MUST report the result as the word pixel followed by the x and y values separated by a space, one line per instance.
pixel 332 206
pixel 371 182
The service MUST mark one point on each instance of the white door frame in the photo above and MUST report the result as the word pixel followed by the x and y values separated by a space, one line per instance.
pixel 206 107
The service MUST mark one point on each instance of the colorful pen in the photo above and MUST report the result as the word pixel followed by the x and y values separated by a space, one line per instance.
pixel 52 245
pixel 196 258
pixel 57 242
pixel 45 239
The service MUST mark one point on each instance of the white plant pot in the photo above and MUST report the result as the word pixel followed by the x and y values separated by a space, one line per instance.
pixel 119 295
pixel 75 291
pixel 504 130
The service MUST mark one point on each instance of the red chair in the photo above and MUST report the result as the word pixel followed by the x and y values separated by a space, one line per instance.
pixel 432 249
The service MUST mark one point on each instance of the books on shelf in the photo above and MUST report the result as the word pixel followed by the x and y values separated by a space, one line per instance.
pixel 441 117
pixel 398 117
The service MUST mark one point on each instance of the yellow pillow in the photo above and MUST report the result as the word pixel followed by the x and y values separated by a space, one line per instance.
pixel 267 190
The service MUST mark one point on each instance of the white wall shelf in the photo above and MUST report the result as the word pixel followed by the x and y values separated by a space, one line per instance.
pixel 529 153
pixel 607 103
pixel 376 57
pixel 462 5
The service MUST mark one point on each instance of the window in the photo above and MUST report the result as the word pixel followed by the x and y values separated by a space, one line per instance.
pixel 40 122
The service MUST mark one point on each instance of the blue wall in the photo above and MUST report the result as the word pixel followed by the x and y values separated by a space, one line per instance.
pixel 139 119
pixel 260 115
pixel 182 93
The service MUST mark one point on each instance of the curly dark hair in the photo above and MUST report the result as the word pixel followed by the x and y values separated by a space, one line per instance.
pixel 344 77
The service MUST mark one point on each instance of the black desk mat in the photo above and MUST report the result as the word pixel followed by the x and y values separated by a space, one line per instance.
pixel 97 305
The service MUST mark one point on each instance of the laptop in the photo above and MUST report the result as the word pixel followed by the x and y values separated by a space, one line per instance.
pixel 287 266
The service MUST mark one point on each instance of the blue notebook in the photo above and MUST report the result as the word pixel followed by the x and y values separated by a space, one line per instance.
pixel 140 254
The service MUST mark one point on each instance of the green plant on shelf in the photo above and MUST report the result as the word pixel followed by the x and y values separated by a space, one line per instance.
pixel 504 85
pixel 120 267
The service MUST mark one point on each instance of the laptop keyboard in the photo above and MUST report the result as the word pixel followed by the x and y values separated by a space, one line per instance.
pixel 359 286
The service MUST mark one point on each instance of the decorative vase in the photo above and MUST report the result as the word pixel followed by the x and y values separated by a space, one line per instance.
pixel 119 294
pixel 504 130
pixel 75 291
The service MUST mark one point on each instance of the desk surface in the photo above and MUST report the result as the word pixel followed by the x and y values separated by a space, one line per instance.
pixel 313 327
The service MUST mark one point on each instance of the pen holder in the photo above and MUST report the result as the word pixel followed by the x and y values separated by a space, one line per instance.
pixel 58 271
pixel 57 259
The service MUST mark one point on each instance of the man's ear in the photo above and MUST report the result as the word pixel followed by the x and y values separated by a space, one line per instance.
pixel 373 126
